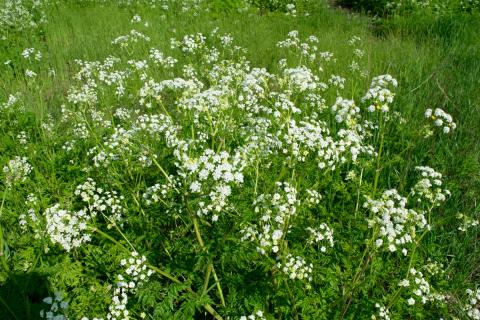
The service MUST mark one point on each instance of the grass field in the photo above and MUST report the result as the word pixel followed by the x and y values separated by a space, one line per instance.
pixel 231 170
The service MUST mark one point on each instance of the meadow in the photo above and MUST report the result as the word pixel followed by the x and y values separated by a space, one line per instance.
pixel 263 159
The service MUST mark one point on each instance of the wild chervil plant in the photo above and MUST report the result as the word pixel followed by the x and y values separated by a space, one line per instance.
pixel 180 181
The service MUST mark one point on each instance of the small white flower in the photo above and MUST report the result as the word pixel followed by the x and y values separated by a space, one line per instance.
pixel 195 186
pixel 30 74
pixel 17 170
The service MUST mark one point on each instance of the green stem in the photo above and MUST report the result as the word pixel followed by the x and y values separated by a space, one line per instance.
pixel 377 169
pixel 396 295
pixel 3 201
pixel 198 234
pixel 292 297
pixel 163 273
pixel 362 267
pixel 7 307
pixel 137 202
pixel 163 172
pixel 358 193
pixel 415 250
pixel 2 254
pixel 163 107
pixel 212 131
pixel 256 179
pixel 219 287
pixel 212 312
pixel 207 279
pixel 359 268
pixel 196 228
pixel 123 236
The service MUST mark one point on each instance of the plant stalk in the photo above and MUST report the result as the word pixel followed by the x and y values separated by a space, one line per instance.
pixel 163 273
pixel 377 169
pixel 2 253
pixel 198 234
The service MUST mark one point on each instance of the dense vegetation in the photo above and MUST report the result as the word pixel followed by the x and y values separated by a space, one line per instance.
pixel 255 159
pixel 437 8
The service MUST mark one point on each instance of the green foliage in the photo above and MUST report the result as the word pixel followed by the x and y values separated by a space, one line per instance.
pixel 407 7
pixel 372 6
pixel 202 267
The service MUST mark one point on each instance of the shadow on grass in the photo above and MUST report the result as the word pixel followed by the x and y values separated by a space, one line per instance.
pixel 21 296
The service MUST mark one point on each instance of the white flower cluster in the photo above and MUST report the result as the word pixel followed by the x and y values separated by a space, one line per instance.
pixel 159 192
pixel 301 79
pixel 123 114
pixel 283 104
pixel 99 200
pixel 276 210
pixel 352 143
pixel 354 40
pixel 313 197
pixel 254 86
pixel 337 81
pixel 16 171
pixel 86 94
pixel 30 216
pixel 30 74
pixel 316 102
pixel 291 41
pixel 70 228
pixel 160 59
pixel 80 131
pixel 384 81
pixel 208 103
pixel 67 228
pixel 379 97
pixel 383 312
pixel 420 288
pixel 305 138
pixel 345 111
pixel 441 119
pixel 313 137
pixel 123 143
pixel 291 10
pixel 467 222
pixel 136 19
pixel 190 44
pixel 32 52
pixel 472 307
pixel 94 74
pixel 153 89
pixel 396 224
pixel 22 138
pixel 133 37
pixel 135 274
pixel 296 268
pixel 359 53
pixel 226 40
pixel 18 15
pixel 429 187
pixel 258 315
pixel 433 268
pixel 307 49
pixel 139 65
pixel 58 308
pixel 321 234
pixel 11 101
pixel 214 175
